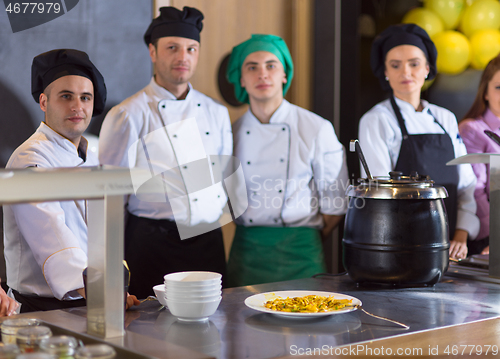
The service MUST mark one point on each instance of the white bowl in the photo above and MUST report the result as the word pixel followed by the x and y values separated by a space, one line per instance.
pixel 199 290
pixel 194 291
pixel 192 311
pixel 193 278
pixel 206 298
pixel 194 300
pixel 160 294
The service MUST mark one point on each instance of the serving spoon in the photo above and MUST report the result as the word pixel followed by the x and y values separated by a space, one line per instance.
pixel 360 307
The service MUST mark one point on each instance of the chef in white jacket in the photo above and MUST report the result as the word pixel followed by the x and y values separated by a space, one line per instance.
pixel 406 133
pixel 46 243
pixel 294 166
pixel 170 125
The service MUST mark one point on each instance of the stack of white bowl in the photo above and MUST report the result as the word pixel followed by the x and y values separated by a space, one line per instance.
pixel 193 296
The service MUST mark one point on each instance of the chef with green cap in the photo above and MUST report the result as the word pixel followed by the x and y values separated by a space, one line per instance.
pixel 294 167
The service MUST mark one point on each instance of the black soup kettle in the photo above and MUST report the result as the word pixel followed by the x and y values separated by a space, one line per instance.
pixel 396 231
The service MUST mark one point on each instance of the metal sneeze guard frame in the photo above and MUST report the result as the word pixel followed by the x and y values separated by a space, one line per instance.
pixel 494 160
pixel 104 187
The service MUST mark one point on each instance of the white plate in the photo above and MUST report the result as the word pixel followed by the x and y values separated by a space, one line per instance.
pixel 257 302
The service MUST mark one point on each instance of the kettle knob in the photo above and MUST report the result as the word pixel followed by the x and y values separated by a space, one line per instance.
pixel 395 175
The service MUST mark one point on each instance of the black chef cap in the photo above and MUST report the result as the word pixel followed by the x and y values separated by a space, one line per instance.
pixel 173 22
pixel 51 65
pixel 401 34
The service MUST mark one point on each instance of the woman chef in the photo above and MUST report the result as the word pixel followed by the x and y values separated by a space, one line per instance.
pixel 294 168
pixel 407 134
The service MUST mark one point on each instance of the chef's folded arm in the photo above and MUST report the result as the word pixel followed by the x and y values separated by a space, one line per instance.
pixel 55 248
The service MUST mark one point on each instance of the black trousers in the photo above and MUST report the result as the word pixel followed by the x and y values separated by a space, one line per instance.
pixel 153 248
pixel 34 303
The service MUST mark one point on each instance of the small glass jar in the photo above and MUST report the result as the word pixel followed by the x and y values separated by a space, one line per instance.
pixel 10 327
pixel 9 351
pixel 28 339
pixel 61 346
pixel 95 351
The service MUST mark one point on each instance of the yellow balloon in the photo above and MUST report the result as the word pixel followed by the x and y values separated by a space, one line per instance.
pixel 450 11
pixel 424 18
pixel 453 52
pixel 484 45
pixel 480 15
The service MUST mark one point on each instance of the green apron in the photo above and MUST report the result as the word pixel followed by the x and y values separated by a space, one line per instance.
pixel 273 254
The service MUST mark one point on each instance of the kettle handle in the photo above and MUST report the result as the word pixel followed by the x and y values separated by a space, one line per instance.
pixel 354 146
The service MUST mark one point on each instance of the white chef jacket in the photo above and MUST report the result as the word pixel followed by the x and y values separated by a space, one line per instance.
pixel 150 117
pixel 380 139
pixel 295 168
pixel 46 243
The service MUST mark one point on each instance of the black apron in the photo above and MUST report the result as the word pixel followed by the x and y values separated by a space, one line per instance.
pixel 153 248
pixel 34 303
pixel 427 154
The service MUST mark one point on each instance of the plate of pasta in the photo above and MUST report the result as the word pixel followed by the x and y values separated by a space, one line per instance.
pixel 302 303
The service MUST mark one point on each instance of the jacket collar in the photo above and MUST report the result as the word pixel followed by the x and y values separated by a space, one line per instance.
pixel 63 142
pixel 163 93
pixel 408 107
pixel 491 120
pixel 279 116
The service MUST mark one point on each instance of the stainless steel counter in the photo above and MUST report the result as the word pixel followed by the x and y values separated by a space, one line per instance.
pixel 236 331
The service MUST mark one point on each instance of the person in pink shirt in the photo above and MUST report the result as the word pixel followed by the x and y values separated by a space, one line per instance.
pixel 484 114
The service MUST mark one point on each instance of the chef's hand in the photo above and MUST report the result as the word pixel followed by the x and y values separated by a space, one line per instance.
pixel 131 301
pixel 8 305
pixel 458 245
pixel 486 250
pixel 330 222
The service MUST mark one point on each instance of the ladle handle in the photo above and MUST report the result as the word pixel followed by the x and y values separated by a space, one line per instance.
pixel 354 146
pixel 493 136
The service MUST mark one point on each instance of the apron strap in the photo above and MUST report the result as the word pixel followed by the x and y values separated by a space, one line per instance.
pixel 401 122
pixel 435 120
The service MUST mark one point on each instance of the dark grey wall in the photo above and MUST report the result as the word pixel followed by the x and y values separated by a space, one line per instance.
pixel 109 31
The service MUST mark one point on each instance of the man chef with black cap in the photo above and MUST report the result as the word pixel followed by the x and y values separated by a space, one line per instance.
pixel 406 133
pixel 46 243
pixel 166 125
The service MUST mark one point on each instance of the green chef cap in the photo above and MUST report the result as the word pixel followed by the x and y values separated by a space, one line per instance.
pixel 270 43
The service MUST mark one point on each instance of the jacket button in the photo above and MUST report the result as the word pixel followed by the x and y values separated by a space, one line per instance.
pixel 275 220
pixel 199 104
pixel 282 160
pixel 162 106
pixel 196 199
pixel 280 191
pixel 248 132
pixel 184 167
pixel 248 162
pixel 250 220
pixel 174 136
pixel 284 129
pixel 207 133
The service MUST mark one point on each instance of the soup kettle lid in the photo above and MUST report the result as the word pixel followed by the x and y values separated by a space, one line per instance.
pixel 397 186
